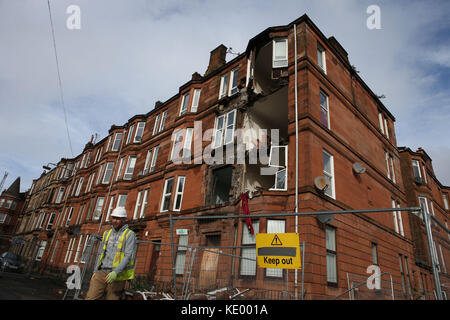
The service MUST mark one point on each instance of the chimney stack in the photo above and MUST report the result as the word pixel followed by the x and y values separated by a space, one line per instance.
pixel 217 58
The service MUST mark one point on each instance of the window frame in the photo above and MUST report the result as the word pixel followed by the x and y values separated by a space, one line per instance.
pixel 139 129
pixel 331 252
pixel 195 100
pixel 321 58
pixel 167 194
pixel 180 180
pixel 326 108
pixel 280 62
pixel 328 174
pixel 248 242
pixel 132 159
pixel 117 140
pixel 163 121
pixel 185 103
pixel 130 134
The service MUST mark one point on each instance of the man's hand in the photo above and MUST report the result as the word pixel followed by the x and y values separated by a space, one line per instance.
pixel 111 277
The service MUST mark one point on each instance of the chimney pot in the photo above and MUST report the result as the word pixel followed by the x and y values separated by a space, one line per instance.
pixel 217 58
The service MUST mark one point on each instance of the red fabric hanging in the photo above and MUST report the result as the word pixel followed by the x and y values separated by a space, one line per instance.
pixel 244 198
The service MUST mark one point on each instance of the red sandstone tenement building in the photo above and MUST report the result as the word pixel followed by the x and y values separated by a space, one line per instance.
pixel 11 205
pixel 289 77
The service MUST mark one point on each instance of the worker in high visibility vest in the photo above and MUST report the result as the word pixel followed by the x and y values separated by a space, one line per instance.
pixel 115 262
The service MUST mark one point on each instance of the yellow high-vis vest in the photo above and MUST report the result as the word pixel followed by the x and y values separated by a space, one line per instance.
pixel 128 272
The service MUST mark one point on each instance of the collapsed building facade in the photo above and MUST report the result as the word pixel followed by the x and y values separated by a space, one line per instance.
pixel 321 138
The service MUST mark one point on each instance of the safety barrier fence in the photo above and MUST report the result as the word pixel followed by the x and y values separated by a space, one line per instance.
pixel 199 264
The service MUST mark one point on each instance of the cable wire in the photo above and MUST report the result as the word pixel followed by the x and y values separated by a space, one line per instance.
pixel 59 77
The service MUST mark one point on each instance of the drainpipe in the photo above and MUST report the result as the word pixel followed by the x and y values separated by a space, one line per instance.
pixel 296 151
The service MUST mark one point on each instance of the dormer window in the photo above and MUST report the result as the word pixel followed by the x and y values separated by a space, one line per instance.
pixel 280 53
pixel 139 132
pixel 184 103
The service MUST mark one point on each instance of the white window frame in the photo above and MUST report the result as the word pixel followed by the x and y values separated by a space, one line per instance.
pixel 391 161
pixel 119 200
pixel 386 159
pixel 329 175
pixel 147 161
pixel 331 250
pixel 108 172
pixel 80 184
pixel 108 144
pixel 177 140
pixel 425 201
pixel 77 251
pixel 225 128
pixel 69 250
pixel 154 158
pixel 117 139
pixel 181 181
pixel 248 267
pixel 110 207
pixel 380 119
pixel 180 261
pixel 144 203
pixel 167 194
pixel 163 121
pixel 326 108
pixel 69 217
pixel 321 58
pixel 386 128
pixel 138 205
pixel 130 133
pixel 60 195
pixel 282 168
pixel 90 182
pixel 234 76
pixel 100 173
pixel 51 220
pixel 88 159
pixel 185 103
pixel 131 164
pixel 400 221
pixel 444 198
pixel 139 132
pixel 155 126
pixel 41 250
pixel 223 89
pixel 279 61
pixel 195 100
pixel 120 169
pixel 99 154
pixel 98 207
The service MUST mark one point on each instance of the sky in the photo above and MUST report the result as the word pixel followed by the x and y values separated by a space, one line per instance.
pixel 128 54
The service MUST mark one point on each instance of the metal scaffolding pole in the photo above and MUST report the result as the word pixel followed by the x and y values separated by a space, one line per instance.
pixel 437 282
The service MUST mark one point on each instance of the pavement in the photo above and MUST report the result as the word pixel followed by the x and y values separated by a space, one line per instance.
pixel 20 286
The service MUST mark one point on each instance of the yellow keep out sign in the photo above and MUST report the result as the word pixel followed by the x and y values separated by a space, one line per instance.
pixel 278 250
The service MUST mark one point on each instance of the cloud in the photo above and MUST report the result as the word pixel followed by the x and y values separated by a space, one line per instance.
pixel 129 54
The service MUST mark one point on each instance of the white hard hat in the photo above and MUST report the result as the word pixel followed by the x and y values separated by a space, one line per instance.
pixel 119 212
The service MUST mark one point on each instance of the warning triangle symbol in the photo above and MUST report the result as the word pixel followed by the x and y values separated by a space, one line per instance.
pixel 276 241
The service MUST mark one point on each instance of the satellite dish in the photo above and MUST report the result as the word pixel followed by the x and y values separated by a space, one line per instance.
pixel 325 218
pixel 321 183
pixel 359 168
